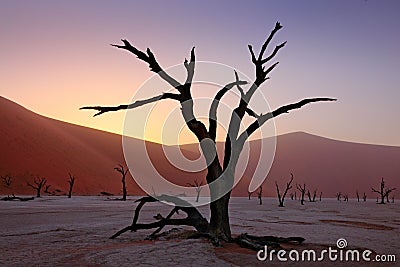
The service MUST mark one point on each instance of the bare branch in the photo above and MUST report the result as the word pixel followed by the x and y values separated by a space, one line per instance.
pixel 214 107
pixel 239 112
pixel 134 104
pixel 240 89
pixel 251 113
pixel 190 67
pixel 277 48
pixel 253 56
pixel 284 109
pixel 151 60
pixel 194 218
pixel 278 26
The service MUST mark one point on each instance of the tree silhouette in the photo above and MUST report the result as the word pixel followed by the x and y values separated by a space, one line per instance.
pixel 259 194
pixel 281 198
pixel 197 187
pixel 383 193
pixel 302 190
pixel 7 180
pixel 71 183
pixel 123 172
pixel 218 228
pixel 311 199
pixel 339 196
pixel 47 189
pixel 39 183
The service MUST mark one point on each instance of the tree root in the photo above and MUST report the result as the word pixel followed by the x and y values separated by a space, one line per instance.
pixel 196 220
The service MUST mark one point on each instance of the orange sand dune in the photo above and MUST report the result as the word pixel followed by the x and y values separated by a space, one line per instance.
pixel 32 144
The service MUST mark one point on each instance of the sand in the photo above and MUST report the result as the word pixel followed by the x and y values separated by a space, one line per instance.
pixel 56 231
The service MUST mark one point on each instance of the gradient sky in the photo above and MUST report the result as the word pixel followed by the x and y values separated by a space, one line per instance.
pixel 55 57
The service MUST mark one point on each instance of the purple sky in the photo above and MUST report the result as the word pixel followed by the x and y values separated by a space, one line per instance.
pixel 55 57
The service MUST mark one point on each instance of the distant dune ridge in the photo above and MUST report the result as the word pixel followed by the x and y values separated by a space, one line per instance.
pixel 32 144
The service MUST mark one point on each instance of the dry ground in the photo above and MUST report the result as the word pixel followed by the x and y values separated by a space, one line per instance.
pixel 56 231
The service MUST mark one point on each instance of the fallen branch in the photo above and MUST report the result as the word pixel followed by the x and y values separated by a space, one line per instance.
pixel 8 198
pixel 194 217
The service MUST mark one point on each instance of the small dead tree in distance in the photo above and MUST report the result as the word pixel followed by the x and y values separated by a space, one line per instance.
pixel 249 194
pixel 339 196
pixel 320 196
pixel 39 183
pixel 281 199
pixel 259 194
pixel 7 180
pixel 314 195
pixel 123 172
pixel 302 190
pixel 358 196
pixel 47 188
pixel 364 197
pixel 197 187
pixel 383 192
pixel 309 195
pixel 71 183
pixel 219 226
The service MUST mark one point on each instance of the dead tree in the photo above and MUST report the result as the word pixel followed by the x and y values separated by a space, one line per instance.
pixel 364 197
pixel 383 193
pixel 309 196
pixel 392 199
pixel 249 194
pixel 339 196
pixel 197 186
pixel 346 197
pixel 218 226
pixel 71 183
pixel 281 198
pixel 39 183
pixel 123 172
pixel 291 196
pixel 259 194
pixel 358 196
pixel 320 196
pixel 314 195
pixel 46 189
pixel 295 195
pixel 302 191
pixel 7 180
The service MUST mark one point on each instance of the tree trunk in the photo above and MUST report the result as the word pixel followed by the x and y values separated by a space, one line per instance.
pixel 124 193
pixel 219 208
pixel 219 221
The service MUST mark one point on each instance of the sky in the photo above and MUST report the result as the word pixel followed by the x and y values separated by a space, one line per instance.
pixel 55 57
